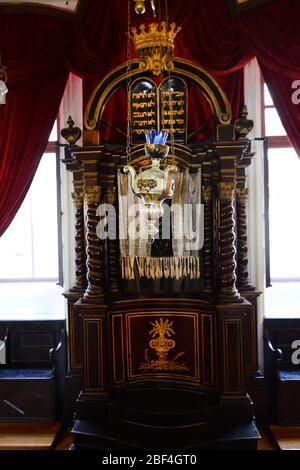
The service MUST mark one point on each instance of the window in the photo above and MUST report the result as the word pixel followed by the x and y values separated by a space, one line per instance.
pixel 30 249
pixel 283 165
pixel 284 197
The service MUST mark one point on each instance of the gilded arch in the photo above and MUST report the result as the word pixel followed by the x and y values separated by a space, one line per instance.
pixel 200 77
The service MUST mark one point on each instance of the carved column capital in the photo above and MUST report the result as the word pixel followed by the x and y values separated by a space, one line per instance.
pixel 77 199
pixel 111 195
pixel 207 194
pixel 242 195
pixel 92 194
pixel 225 191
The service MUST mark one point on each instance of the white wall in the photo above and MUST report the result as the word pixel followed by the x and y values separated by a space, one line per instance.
pixel 256 194
pixel 71 105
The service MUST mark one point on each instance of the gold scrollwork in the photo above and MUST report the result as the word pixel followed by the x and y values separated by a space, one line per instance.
pixel 77 199
pixel 162 343
pixel 155 45
pixel 111 195
pixel 156 62
pixel 242 194
pixel 92 194
pixel 225 191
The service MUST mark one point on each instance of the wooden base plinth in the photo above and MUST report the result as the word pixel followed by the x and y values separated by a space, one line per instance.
pixel 90 436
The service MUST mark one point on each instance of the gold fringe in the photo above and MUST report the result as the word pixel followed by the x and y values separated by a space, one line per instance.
pixel 156 268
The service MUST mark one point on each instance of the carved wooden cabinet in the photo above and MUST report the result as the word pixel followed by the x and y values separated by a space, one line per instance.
pixel 165 357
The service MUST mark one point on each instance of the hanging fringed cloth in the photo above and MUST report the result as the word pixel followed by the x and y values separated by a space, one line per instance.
pixel 135 251
pixel 156 268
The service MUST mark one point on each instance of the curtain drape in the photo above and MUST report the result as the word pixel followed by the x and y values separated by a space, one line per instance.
pixel 34 53
pixel 39 52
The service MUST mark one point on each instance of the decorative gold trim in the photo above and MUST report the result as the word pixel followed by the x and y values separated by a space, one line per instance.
pixel 73 363
pixel 191 378
pixel 225 191
pixel 113 318
pixel 154 45
pixel 226 364
pixel 92 194
pixel 242 195
pixel 89 361
pixel 92 124
pixel 254 337
pixel 162 343
pixel 77 199
pixel 205 382
pixel 224 118
pixel 154 35
pixel 111 195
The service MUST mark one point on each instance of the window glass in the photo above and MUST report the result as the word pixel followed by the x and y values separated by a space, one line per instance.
pixel 284 177
pixel 29 247
pixel 53 135
pixel 273 125
pixel 267 96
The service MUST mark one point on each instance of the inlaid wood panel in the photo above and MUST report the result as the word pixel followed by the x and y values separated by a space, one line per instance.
pixel 75 340
pixel 118 352
pixel 93 330
pixel 232 357
pixel 152 345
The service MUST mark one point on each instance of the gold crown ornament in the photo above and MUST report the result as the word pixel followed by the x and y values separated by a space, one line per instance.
pixel 154 45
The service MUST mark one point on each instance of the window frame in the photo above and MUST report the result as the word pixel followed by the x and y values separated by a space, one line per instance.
pixel 52 147
pixel 270 142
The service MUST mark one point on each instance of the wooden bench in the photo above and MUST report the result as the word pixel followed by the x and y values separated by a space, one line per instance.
pixel 31 383
pixel 284 381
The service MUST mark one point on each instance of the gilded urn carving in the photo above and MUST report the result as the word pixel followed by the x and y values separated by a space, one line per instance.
pixel 153 186
pixel 162 343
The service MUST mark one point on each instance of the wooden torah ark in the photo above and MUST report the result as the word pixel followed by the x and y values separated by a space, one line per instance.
pixel 163 365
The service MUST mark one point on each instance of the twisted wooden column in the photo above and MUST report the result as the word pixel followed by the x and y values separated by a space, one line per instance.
pixel 80 264
pixel 244 282
pixel 112 244
pixel 227 251
pixel 94 292
pixel 208 239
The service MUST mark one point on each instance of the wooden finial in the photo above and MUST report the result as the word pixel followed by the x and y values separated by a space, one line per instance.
pixel 71 134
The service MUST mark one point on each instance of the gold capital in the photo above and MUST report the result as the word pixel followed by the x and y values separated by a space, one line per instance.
pixel 92 194
pixel 111 195
pixel 242 194
pixel 77 199
pixel 225 191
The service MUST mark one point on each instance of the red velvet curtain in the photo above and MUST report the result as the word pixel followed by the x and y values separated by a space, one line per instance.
pixel 211 38
pixel 40 51
pixel 272 33
pixel 34 53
